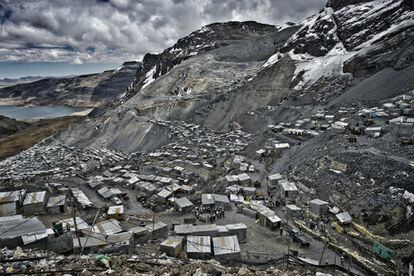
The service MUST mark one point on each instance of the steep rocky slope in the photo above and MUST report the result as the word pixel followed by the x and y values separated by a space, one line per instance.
pixel 81 91
pixel 208 38
pixel 215 76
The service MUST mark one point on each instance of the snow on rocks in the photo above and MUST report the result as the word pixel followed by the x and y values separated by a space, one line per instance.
pixel 149 77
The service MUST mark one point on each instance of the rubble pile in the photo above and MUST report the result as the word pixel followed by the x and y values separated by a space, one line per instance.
pixel 26 261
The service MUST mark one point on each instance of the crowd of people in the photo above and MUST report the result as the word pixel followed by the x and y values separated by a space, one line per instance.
pixel 208 214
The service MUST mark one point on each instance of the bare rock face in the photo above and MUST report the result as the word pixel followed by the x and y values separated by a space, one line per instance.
pixel 339 4
pixel 409 3
pixel 317 37
pixel 208 38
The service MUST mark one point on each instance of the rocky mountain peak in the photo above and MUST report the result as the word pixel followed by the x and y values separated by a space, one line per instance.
pixel 209 37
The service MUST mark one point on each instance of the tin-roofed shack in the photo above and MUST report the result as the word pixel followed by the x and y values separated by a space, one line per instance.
pixel 198 247
pixel 17 231
pixel 183 204
pixel 34 203
pixel 116 212
pixel 238 229
pixel 172 246
pixel 10 202
pixel 56 205
pixel 318 207
pixel 226 248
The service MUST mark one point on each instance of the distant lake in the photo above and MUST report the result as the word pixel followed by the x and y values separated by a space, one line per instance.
pixel 37 112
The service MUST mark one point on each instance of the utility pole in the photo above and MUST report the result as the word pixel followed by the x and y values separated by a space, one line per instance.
pixel 323 251
pixel 153 225
pixel 75 223
pixel 93 224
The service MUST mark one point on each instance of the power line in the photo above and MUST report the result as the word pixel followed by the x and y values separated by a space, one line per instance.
pixel 14 227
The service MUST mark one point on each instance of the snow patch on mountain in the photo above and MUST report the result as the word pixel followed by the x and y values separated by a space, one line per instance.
pixel 313 68
pixel 272 60
pixel 407 20
pixel 149 77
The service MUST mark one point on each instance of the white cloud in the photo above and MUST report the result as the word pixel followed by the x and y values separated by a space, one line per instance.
pixel 119 30
pixel 77 61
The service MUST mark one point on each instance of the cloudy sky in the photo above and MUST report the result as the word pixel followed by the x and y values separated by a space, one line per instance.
pixel 107 32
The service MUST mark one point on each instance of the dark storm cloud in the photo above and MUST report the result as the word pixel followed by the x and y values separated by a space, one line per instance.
pixel 118 30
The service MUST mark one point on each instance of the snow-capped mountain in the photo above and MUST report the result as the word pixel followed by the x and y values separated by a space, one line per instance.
pixel 357 37
pixel 220 73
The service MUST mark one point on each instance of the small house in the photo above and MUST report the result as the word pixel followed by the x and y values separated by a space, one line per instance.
pixel 207 200
pixel 244 179
pixel 34 203
pixel 273 180
pixel 239 230
pixel 172 246
pixel 183 204
pixel 107 227
pixel 163 195
pixel 198 247
pixel 221 201
pixel 222 231
pixel 116 212
pixel 226 248
pixel 10 202
pixel 157 230
pixel 344 218
pixel 19 231
pixel 318 207
pixel 56 205
pixel 288 191
pixel 293 211
pixel 273 222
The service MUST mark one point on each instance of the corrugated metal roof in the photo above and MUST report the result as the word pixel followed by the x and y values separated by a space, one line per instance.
pixel 89 242
pixel 183 202
pixel 188 229
pixel 226 245
pixel 198 244
pixel 81 224
pixel 34 198
pixel 33 238
pixel 155 226
pixel 8 209
pixel 164 193
pixel 207 199
pixel 17 226
pixel 276 176
pixel 116 210
pixel 172 241
pixel 184 229
pixel 107 227
pixel 221 198
pixel 119 238
pixel 236 226
pixel 274 219
pixel 81 197
pixel 344 217
pixel 56 201
pixel 243 176
pixel 11 196
pixel 288 186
